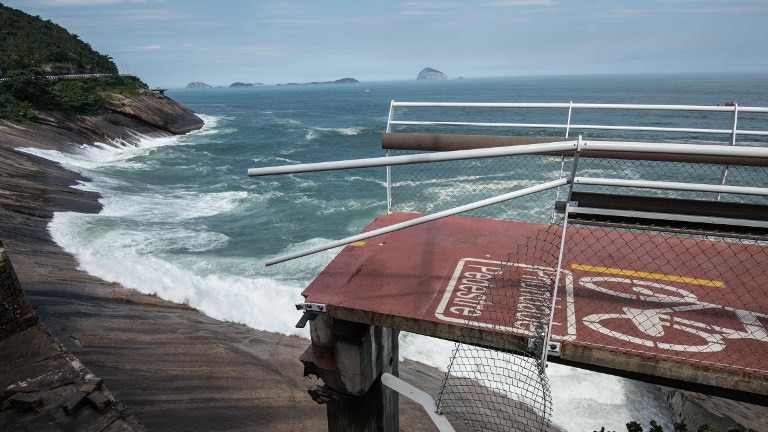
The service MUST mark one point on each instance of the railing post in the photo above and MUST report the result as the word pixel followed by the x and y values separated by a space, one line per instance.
pixel 724 173
pixel 568 125
pixel 735 122
pixel 389 168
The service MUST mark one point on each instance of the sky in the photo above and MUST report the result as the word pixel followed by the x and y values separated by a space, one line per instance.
pixel 170 43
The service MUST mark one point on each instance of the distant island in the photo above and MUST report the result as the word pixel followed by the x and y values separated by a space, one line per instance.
pixel 431 74
pixel 241 84
pixel 202 85
pixel 338 81
pixel 198 85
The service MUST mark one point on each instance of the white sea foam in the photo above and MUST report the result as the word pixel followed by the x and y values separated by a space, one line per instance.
pixel 120 152
pixel 342 206
pixel 303 183
pixel 124 256
pixel 99 155
pixel 167 205
pixel 348 131
pixel 286 160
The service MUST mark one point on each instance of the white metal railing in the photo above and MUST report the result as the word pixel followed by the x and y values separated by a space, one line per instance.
pixel 733 131
pixel 606 146
pixel 412 159
pixel 735 109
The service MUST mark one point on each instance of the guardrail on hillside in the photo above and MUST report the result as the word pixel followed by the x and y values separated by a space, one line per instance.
pixel 75 76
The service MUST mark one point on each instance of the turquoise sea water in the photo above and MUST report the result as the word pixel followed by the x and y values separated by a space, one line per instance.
pixel 182 220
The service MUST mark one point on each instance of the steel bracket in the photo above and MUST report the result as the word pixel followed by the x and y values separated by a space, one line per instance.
pixel 553 349
pixel 311 310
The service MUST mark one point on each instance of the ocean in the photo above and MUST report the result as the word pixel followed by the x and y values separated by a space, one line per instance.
pixel 183 221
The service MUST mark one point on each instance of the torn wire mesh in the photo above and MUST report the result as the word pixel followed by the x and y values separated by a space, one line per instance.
pixel 504 388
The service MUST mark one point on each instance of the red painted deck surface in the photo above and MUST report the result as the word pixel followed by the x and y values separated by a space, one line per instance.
pixel 620 305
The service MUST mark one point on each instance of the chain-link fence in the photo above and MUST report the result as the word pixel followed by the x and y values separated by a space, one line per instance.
pixel 498 383
pixel 434 187
pixel 666 276
pixel 693 298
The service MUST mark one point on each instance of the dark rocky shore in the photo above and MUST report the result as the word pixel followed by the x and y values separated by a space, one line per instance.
pixel 169 367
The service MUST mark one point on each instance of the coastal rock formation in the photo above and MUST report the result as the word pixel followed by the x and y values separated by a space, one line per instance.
pixel 338 81
pixel 159 112
pixel 148 114
pixel 696 410
pixel 431 74
pixel 197 85
pixel 241 84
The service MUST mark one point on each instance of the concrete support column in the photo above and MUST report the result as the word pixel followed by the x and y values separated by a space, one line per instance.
pixel 350 358
pixel 15 312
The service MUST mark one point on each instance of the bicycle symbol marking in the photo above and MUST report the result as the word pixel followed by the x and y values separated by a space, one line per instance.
pixel 652 327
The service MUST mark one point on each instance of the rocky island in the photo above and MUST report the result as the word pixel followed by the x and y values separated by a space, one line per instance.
pixel 338 81
pixel 198 85
pixel 431 74
pixel 242 84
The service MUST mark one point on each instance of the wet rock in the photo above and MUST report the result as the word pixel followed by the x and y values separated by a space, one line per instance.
pixel 25 401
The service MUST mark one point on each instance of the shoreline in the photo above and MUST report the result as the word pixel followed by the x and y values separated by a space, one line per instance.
pixel 170 366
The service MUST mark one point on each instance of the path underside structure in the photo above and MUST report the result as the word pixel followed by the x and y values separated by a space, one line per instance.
pixel 422 279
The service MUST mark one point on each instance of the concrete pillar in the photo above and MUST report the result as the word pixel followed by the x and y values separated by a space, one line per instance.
pixel 350 358
pixel 15 312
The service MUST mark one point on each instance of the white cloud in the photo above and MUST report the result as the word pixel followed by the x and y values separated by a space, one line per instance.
pixel 426 7
pixel 430 5
pixel 87 2
pixel 521 3
pixel 142 48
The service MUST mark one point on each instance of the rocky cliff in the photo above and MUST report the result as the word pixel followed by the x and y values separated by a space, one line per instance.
pixel 147 113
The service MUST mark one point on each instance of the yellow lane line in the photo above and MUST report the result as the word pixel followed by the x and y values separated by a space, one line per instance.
pixel 357 243
pixel 642 274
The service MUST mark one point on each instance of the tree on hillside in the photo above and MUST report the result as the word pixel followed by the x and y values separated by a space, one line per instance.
pixel 31 43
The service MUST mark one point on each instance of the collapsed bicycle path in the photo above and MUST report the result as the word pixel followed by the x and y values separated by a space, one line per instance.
pixel 687 313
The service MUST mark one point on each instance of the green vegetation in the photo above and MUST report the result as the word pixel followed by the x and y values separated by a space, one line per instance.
pixel 22 95
pixel 30 43
pixel 32 51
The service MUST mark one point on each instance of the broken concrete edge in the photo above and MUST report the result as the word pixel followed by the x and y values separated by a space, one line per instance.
pixel 68 389
pixel 349 359
pixel 16 311
pixel 697 410
pixel 90 385
pixel 25 394
pixel 26 401
pixel 90 393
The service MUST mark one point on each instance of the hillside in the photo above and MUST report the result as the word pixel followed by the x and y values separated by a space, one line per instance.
pixel 35 101
pixel 30 43
pixel 33 50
